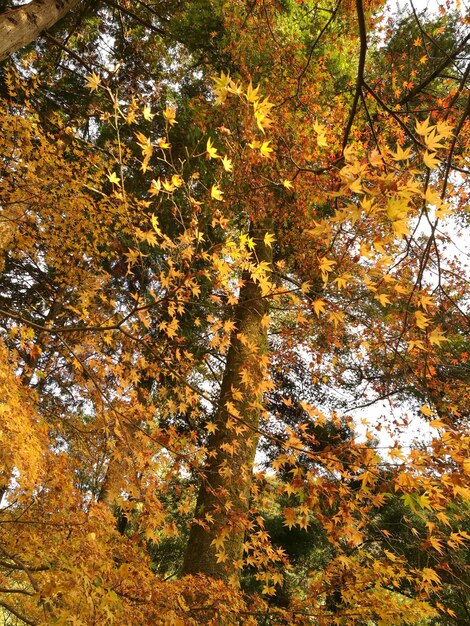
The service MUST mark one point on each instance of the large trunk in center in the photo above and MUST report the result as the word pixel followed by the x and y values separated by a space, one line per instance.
pixel 215 545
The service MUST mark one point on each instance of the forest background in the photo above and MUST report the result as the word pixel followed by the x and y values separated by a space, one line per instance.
pixel 227 227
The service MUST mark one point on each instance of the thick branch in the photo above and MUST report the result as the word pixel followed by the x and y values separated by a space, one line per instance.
pixel 360 69
pixel 447 61
pixel 22 25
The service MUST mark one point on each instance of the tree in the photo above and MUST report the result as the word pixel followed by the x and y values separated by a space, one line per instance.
pixel 166 253
pixel 21 25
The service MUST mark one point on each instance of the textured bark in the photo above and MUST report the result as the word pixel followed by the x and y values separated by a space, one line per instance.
pixel 22 25
pixel 225 491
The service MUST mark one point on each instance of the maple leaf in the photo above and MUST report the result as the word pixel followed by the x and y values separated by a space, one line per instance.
pixel 252 94
pixel 429 575
pixel 343 280
pixel 93 81
pixel 222 85
pixel 163 143
pixel 269 238
pixel 169 113
pixel 147 113
pixel 326 265
pixel 216 193
pixel 211 151
pixel 265 149
pixel 400 154
pixel 424 128
pixel 432 141
pixel 289 517
pixel 227 163
pixel 319 306
pixel 421 320
pixel 430 160
pixel 113 178
pixel 287 184
pixel 382 298
pixel 401 227
pixel 436 544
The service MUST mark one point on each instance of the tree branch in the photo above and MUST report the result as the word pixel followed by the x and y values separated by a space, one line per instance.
pixel 360 69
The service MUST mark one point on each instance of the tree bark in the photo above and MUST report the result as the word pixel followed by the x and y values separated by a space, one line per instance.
pixel 223 500
pixel 22 25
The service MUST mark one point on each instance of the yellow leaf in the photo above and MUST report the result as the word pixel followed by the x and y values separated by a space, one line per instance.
pixel 148 115
pixel 222 85
pixel 437 337
pixel 227 163
pixel 216 193
pixel 211 427
pixel 163 143
pixel 382 298
pixel 401 227
pixel 265 321
pixel 423 128
pixel 425 301
pixel 176 180
pixel 319 306
pixel 268 239
pixel 266 149
pixel 169 114
pixel 355 186
pixel 400 154
pixel 113 178
pixel 415 344
pixel 93 81
pixel 287 184
pixel 425 410
pixel 421 320
pixel 326 265
pixel 430 575
pixel 430 160
pixel 343 280
pixel 436 544
pixel 211 151
pixel 252 94
pixel 221 557
pixel 433 141
pixel 289 517
pixel 168 186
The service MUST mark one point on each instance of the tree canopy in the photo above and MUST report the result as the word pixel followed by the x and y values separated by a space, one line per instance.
pixel 233 283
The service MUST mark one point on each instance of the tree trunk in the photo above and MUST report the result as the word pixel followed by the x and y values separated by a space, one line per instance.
pixel 22 25
pixel 223 500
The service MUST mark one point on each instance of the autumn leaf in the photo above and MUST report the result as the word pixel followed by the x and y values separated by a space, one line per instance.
pixel 269 239
pixel 424 128
pixel 265 149
pixel 169 113
pixel 382 298
pixel 319 306
pixel 163 143
pixel 227 163
pixel 421 320
pixel 216 193
pixel 93 81
pixel 400 154
pixel 113 178
pixel 211 151
pixel 252 94
pixel 147 113
pixel 430 160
